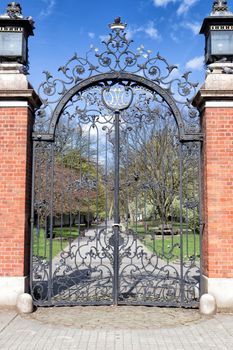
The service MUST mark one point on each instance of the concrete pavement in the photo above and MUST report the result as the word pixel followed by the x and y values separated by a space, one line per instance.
pixel 56 329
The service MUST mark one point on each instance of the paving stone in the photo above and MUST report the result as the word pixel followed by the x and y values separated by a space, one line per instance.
pixel 22 332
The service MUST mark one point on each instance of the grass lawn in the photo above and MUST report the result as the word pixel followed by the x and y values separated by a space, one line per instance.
pixel 168 246
pixel 163 246
pixel 41 245
pixel 155 243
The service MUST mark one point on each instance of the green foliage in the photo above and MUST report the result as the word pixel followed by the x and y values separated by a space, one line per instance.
pixel 82 181
pixel 190 216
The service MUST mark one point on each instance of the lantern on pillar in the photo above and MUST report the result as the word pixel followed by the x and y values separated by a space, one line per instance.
pixel 14 32
pixel 218 31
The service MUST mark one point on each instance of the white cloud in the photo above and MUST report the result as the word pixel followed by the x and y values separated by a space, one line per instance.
pixel 130 32
pixel 196 63
pixel 176 73
pixel 149 29
pixel 91 35
pixel 104 37
pixel 162 2
pixel 174 37
pixel 193 26
pixel 185 6
pixel 50 4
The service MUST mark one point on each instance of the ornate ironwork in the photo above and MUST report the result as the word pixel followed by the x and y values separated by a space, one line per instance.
pixel 116 59
pixel 116 182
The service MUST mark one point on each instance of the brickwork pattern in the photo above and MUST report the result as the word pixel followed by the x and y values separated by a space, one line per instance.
pixel 15 185
pixel 218 192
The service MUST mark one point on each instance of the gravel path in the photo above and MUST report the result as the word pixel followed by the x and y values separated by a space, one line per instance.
pixel 110 317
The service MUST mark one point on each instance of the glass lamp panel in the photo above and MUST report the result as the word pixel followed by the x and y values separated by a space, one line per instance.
pixel 222 42
pixel 11 44
pixel 24 49
pixel 208 46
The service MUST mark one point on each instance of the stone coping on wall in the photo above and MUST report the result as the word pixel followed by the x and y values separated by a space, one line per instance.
pixel 28 95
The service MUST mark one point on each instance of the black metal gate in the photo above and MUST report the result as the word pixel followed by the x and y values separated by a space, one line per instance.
pixel 116 182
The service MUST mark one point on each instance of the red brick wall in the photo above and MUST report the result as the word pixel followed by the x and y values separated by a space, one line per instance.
pixel 218 192
pixel 15 185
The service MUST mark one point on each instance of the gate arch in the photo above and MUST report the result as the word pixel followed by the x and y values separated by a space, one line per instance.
pixel 115 147
pixel 116 77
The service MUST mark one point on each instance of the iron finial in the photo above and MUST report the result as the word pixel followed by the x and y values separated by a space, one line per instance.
pixel 220 6
pixel 117 24
pixel 117 20
pixel 14 10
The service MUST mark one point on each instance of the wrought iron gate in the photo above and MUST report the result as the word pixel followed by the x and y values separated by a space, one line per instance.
pixel 115 199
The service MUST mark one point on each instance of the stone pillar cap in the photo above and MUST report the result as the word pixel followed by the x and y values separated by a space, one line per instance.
pixel 14 85
pixel 218 85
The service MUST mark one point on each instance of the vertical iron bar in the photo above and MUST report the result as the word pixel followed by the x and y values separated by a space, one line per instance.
pixel 97 188
pixel 51 227
pixel 46 230
pixel 38 215
pixel 106 181
pixel 163 204
pixel 136 185
pixel 136 207
pixel 127 180
pixel 194 209
pixel 187 223
pixel 80 181
pixel 32 216
pixel 88 177
pixel 97 177
pixel 181 227
pixel 145 192
pixel 201 199
pixel 116 209
pixel 172 196
pixel 62 197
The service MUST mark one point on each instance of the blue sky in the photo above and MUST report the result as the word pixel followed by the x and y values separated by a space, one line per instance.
pixel 67 26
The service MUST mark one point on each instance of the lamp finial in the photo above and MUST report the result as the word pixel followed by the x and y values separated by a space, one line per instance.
pixel 220 7
pixel 14 10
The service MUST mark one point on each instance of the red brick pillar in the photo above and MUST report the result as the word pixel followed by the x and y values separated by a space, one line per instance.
pixel 215 101
pixel 17 103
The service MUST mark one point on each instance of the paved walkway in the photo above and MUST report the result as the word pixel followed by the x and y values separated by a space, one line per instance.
pixel 86 264
pixel 106 328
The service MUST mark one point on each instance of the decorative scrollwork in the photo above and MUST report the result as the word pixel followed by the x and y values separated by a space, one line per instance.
pixel 117 56
pixel 116 163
